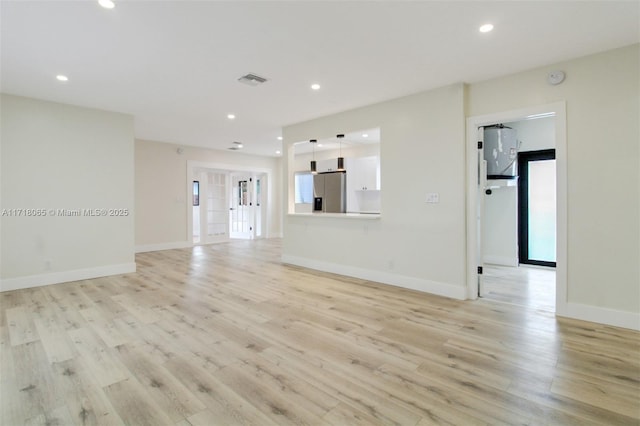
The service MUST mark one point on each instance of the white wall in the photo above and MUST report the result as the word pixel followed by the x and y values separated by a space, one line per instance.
pixel 500 219
pixel 603 134
pixel 424 245
pixel 57 156
pixel 161 190
pixel 413 244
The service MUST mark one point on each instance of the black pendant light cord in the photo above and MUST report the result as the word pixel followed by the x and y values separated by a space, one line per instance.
pixel 313 162
pixel 340 158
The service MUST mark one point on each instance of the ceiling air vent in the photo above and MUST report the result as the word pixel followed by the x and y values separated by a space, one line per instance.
pixel 252 79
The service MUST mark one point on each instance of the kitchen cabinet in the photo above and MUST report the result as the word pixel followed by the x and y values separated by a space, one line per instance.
pixel 363 184
pixel 329 165
pixel 365 173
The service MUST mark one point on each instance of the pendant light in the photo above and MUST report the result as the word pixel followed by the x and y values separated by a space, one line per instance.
pixel 313 161
pixel 340 158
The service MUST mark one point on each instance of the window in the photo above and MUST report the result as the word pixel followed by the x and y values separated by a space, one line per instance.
pixel 304 188
pixel 196 193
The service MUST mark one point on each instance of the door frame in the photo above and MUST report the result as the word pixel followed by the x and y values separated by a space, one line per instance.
pixel 230 168
pixel 523 204
pixel 558 109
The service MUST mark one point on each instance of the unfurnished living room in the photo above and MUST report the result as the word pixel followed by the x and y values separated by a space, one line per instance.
pixel 319 212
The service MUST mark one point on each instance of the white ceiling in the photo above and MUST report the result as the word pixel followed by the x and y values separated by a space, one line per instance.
pixel 174 64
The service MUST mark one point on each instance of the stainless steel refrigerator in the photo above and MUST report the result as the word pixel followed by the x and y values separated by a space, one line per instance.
pixel 330 192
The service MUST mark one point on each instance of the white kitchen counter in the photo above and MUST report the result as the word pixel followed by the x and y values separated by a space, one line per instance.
pixel 361 216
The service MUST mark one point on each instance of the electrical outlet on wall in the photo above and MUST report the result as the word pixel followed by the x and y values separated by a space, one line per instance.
pixel 433 197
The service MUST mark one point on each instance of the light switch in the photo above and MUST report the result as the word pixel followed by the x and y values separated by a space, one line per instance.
pixel 433 197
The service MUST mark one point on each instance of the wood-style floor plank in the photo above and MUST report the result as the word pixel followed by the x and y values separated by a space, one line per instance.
pixel 223 402
pixel 164 388
pixel 21 326
pixel 87 402
pixel 97 357
pixel 135 406
pixel 227 334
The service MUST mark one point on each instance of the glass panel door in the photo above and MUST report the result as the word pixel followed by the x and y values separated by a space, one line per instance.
pixel 241 210
pixel 537 208
pixel 217 216
pixel 258 209
pixel 542 210
pixel 195 202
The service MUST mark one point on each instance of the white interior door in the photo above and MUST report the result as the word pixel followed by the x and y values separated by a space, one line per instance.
pixel 195 211
pixel 210 222
pixel 259 216
pixel 217 218
pixel 241 212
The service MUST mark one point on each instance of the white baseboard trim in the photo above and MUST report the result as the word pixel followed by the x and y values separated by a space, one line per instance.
pixel 427 286
pixel 501 260
pixel 30 281
pixel 163 246
pixel 600 315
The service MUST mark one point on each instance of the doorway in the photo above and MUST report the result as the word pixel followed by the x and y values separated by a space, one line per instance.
pixel 512 270
pixel 518 212
pixel 226 204
pixel 210 216
pixel 246 213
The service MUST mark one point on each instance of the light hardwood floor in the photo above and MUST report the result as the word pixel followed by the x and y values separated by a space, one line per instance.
pixel 529 286
pixel 226 334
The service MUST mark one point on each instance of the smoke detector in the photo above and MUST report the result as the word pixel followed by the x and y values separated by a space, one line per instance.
pixel 252 79
pixel 555 77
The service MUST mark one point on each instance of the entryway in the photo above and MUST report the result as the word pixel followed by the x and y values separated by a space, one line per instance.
pixel 524 283
pixel 226 204
pixel 210 211
pixel 517 224
pixel 246 211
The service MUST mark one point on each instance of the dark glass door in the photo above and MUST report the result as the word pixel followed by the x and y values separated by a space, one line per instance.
pixel 537 207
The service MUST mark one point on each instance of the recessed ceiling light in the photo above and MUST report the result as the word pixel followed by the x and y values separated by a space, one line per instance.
pixel 486 28
pixel 365 135
pixel 277 152
pixel 279 138
pixel 231 116
pixel 61 77
pixel 107 4
pixel 319 145
pixel 315 86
